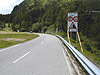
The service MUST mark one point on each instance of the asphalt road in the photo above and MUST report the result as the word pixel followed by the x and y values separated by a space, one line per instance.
pixel 40 56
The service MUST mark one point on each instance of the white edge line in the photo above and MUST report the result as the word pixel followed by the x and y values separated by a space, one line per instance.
pixel 65 57
pixel 21 57
pixel 15 45
pixel 8 48
pixel 71 71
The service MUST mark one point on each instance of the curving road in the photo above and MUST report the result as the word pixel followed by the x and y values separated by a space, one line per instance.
pixel 40 56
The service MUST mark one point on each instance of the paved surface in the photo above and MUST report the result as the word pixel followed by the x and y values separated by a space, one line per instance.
pixel 40 56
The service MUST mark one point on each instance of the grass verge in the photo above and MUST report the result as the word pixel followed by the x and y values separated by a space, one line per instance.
pixel 15 36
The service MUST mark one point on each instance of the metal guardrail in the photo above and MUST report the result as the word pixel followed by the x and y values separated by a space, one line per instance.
pixel 89 66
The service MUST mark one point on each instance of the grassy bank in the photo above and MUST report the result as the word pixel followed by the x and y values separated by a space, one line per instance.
pixel 91 56
pixel 11 38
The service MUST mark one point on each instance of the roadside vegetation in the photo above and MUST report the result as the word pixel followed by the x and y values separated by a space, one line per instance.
pixel 11 38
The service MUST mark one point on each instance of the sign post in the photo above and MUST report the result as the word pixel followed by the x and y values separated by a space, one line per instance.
pixel 73 27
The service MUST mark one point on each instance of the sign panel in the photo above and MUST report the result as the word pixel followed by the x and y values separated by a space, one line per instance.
pixel 72 22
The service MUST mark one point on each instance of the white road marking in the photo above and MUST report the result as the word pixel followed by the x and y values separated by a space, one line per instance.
pixel 70 68
pixel 21 57
pixel 16 45
pixel 9 48
pixel 64 54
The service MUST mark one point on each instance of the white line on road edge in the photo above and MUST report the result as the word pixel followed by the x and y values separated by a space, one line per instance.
pixel 4 49
pixel 73 62
pixel 70 68
pixel 21 57
pixel 8 48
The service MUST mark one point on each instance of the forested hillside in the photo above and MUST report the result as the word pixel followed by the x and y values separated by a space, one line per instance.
pixel 47 15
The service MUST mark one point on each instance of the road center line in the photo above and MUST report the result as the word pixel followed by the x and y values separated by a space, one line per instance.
pixel 21 57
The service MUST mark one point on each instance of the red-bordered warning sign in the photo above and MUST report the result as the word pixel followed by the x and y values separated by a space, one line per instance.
pixel 72 22
pixel 76 19
pixel 72 26
pixel 70 18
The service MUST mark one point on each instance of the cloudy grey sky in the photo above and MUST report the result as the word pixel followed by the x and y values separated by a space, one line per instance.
pixel 6 6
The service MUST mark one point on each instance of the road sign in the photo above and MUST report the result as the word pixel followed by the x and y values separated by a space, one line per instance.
pixel 72 26
pixel 76 19
pixel 72 22
pixel 70 18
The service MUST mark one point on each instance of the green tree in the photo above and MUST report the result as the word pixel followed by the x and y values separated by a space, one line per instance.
pixel 44 29
pixel 37 27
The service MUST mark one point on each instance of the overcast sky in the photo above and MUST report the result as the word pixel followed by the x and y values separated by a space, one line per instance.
pixel 6 6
